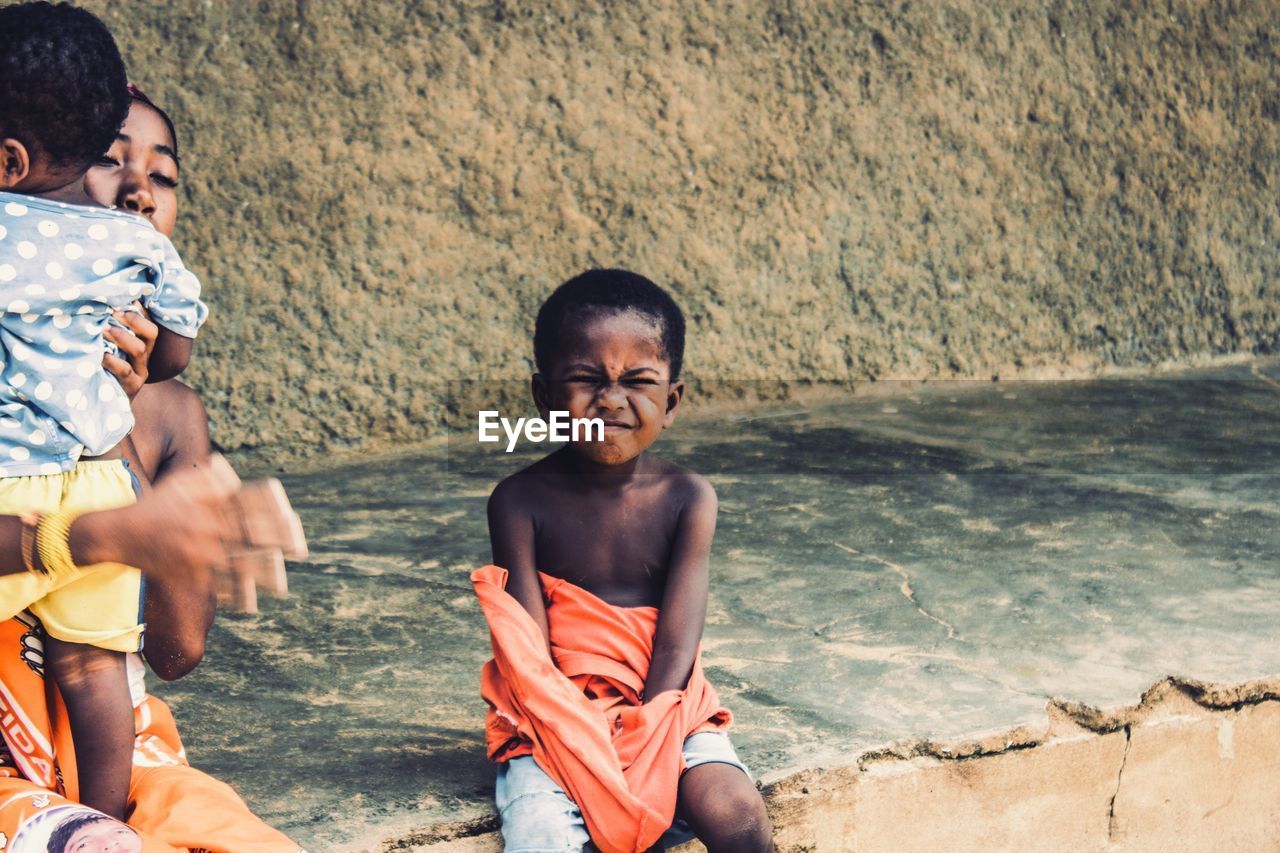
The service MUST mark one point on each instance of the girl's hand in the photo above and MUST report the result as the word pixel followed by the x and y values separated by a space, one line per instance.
pixel 178 528
pixel 135 342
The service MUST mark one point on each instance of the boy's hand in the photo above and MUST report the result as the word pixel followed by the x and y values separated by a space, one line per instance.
pixel 135 342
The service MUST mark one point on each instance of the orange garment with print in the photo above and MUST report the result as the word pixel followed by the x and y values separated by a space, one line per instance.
pixel 579 713
pixel 172 806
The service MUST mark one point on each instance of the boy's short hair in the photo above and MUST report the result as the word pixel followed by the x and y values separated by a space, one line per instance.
pixel 597 292
pixel 62 83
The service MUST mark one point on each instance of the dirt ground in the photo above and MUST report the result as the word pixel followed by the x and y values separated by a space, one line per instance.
pixel 378 195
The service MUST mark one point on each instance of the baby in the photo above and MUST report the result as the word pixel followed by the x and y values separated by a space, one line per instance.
pixel 66 266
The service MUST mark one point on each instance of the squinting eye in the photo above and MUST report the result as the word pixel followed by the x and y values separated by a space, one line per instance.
pixel 639 382
pixel 107 160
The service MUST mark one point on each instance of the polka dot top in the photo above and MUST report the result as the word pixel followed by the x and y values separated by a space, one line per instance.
pixel 63 268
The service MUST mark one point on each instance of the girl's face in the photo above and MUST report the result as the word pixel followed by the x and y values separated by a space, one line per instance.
pixel 140 172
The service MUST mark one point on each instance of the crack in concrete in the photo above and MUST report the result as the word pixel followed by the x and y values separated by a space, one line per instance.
pixel 1111 806
pixel 977 673
pixel 1213 697
pixel 905 587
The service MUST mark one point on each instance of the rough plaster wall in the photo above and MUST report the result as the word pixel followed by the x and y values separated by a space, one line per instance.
pixel 380 194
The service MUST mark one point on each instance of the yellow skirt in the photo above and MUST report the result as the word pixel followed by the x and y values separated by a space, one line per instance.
pixel 103 606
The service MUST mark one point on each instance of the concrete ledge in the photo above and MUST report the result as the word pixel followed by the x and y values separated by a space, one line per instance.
pixel 1191 766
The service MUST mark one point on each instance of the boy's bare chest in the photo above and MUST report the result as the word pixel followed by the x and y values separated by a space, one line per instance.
pixel 618 550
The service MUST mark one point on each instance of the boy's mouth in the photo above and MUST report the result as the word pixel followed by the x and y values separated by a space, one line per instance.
pixel 613 424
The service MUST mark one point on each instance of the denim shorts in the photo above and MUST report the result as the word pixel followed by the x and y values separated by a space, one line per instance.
pixel 538 817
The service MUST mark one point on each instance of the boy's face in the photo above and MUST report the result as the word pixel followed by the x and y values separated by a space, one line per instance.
pixel 611 367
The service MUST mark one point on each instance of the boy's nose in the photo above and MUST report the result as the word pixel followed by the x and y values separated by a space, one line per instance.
pixel 611 395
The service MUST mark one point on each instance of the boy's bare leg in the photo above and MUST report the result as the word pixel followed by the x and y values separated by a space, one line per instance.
pixel 95 689
pixel 724 808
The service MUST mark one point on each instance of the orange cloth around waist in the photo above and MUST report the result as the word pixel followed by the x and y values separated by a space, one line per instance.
pixel 578 711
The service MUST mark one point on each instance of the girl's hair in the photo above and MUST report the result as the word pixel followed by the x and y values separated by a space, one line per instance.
pixel 140 96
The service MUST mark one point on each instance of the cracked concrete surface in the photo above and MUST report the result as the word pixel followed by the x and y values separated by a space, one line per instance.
pixel 1111 807
pixel 1006 549
pixel 907 592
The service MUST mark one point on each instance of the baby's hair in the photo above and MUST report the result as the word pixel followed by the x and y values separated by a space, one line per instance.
pixel 62 83
pixel 597 292
pixel 64 831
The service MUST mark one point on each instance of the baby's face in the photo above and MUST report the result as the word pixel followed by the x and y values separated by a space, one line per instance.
pixel 611 367
pixel 104 836
pixel 139 173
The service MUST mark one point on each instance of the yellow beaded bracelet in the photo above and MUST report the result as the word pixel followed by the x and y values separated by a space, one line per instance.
pixel 53 544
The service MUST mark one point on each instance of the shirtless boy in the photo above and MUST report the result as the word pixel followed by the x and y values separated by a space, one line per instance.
pixel 632 530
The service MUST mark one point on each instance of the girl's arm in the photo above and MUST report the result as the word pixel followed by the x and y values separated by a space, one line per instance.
pixel 178 614
pixel 511 538
pixel 176 530
pixel 91 539
pixel 173 430
pixel 684 601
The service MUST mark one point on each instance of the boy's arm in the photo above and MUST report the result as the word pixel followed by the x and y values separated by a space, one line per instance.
pixel 684 601
pixel 511 539
pixel 170 356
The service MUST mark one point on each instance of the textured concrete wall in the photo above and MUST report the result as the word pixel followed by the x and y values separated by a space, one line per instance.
pixel 379 194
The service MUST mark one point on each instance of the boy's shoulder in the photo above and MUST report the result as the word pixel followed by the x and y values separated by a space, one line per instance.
pixel 541 482
pixel 679 482
pixel 527 485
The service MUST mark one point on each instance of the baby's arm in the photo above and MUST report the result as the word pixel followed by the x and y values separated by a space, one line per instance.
pixel 170 356
pixel 176 308
pixel 95 689
pixel 684 601
pixel 512 542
